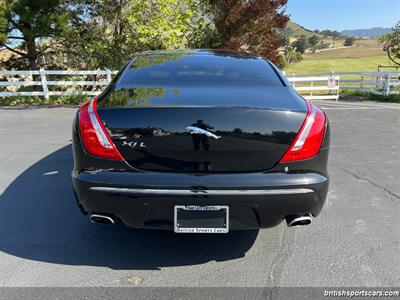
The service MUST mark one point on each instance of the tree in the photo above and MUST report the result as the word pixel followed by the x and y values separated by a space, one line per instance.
pixel 106 33
pixel 335 34
pixel 326 32
pixel 301 44
pixel 30 25
pixel 292 56
pixel 391 43
pixel 203 33
pixel 95 33
pixel 284 38
pixel 331 33
pixel 349 41
pixel 113 30
pixel 251 25
pixel 281 62
pixel 314 42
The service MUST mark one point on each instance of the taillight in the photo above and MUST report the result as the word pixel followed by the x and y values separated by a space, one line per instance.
pixel 309 139
pixel 93 133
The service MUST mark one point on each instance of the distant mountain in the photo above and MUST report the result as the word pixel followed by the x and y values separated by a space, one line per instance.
pixel 295 30
pixel 371 33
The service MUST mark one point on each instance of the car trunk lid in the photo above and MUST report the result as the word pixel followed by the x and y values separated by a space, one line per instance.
pixel 198 129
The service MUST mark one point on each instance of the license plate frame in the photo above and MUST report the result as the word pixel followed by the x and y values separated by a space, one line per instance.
pixel 219 212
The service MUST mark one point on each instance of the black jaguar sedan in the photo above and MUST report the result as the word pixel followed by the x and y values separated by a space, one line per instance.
pixel 200 141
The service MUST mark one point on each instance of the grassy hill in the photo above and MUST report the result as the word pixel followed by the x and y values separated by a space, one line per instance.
pixel 296 30
pixel 353 52
pixel 337 65
pixel 366 55
pixel 341 60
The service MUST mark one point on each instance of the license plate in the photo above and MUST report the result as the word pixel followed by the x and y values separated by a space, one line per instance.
pixel 201 219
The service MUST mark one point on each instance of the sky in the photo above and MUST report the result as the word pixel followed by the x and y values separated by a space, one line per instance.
pixel 344 14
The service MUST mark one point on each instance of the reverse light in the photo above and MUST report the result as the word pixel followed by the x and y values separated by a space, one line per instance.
pixel 95 138
pixel 309 139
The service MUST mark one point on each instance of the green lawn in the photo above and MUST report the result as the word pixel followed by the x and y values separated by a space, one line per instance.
pixel 353 52
pixel 308 66
pixel 354 59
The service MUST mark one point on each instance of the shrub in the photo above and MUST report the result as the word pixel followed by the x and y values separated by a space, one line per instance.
pixel 348 42
pixel 53 100
pixel 281 62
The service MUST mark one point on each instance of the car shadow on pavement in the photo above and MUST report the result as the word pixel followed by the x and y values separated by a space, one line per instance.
pixel 39 220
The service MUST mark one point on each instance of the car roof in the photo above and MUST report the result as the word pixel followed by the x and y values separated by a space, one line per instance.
pixel 201 52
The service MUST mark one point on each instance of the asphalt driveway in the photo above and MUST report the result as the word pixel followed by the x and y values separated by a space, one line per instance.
pixel 355 241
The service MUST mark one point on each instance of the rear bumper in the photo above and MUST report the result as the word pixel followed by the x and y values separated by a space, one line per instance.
pixel 146 200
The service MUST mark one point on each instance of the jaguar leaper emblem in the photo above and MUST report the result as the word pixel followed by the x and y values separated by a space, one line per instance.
pixel 197 130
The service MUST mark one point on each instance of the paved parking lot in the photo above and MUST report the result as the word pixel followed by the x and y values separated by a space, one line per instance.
pixel 44 241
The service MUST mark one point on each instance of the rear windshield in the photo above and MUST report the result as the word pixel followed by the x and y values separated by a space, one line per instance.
pixel 199 69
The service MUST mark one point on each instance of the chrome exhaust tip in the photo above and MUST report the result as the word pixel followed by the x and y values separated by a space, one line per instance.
pixel 294 221
pixel 101 219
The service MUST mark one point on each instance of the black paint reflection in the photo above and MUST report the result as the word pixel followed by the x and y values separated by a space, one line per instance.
pixel 200 142
pixel 158 139
pixel 150 159
pixel 138 96
pixel 146 61
pixel 201 139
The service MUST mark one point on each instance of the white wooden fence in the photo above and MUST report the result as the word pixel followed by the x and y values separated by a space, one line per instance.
pixel 319 87
pixel 13 80
pixel 91 82
pixel 380 83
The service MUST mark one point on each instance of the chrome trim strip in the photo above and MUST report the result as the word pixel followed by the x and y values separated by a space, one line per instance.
pixel 167 192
